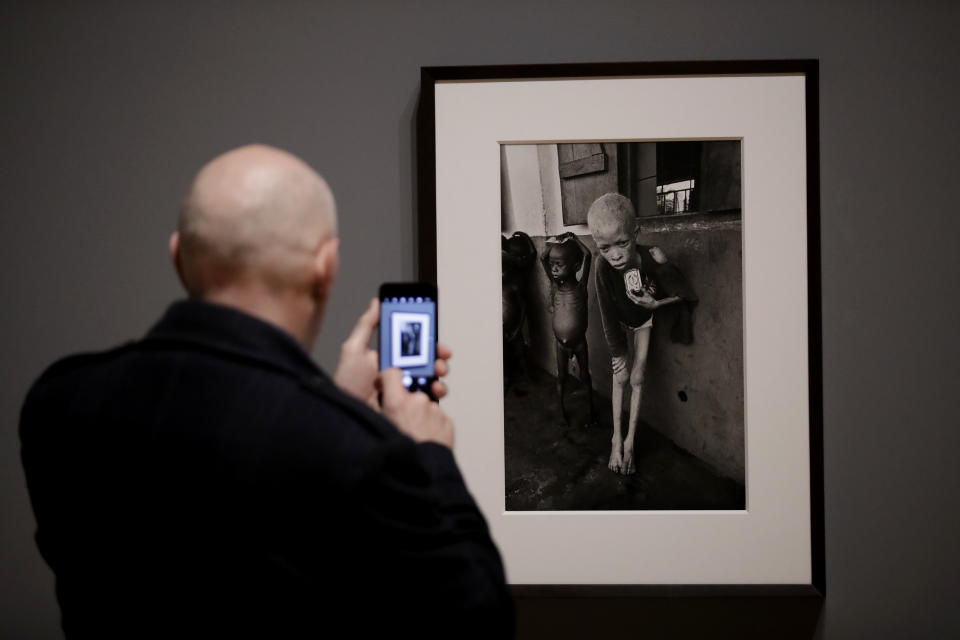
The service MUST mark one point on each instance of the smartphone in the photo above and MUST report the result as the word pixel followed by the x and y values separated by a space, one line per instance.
pixel 408 332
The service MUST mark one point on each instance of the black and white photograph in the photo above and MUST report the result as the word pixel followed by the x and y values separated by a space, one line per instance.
pixel 623 325
pixel 410 332
pixel 410 339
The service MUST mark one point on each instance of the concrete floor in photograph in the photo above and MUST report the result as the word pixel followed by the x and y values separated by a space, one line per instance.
pixel 553 467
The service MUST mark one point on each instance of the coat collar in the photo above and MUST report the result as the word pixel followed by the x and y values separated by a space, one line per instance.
pixel 225 328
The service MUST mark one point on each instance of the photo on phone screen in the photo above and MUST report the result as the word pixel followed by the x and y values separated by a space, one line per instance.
pixel 408 332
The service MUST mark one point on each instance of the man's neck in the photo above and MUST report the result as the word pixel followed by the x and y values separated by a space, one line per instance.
pixel 295 314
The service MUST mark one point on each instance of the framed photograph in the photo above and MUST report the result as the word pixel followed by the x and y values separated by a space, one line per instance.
pixel 639 410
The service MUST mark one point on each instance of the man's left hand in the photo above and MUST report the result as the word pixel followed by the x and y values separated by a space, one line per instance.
pixel 358 368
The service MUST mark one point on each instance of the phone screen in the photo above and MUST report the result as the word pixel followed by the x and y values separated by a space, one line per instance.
pixel 408 332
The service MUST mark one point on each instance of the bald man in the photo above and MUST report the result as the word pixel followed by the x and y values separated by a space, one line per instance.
pixel 211 480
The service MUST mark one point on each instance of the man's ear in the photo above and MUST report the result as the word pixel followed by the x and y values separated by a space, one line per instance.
pixel 326 264
pixel 174 247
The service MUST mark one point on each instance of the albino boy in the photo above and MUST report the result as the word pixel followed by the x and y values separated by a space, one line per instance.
pixel 630 281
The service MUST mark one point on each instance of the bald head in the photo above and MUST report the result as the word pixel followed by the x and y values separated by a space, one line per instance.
pixel 253 214
pixel 611 213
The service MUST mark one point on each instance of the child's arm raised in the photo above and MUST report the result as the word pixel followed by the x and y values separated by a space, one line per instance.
pixel 587 259
pixel 545 263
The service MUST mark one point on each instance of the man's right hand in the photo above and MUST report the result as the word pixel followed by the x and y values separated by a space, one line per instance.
pixel 413 413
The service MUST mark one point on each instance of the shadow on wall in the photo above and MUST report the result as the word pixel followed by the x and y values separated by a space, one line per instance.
pixel 693 393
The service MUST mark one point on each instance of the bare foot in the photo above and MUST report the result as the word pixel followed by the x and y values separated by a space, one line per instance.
pixel 628 466
pixel 616 457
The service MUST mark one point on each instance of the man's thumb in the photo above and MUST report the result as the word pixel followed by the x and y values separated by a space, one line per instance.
pixel 391 381
pixel 366 323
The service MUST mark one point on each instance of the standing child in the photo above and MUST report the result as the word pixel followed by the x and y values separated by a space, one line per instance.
pixel 517 256
pixel 631 282
pixel 562 260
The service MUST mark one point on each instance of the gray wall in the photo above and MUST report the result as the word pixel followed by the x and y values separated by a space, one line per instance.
pixel 108 108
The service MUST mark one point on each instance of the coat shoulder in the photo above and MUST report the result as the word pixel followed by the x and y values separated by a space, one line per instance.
pixel 77 361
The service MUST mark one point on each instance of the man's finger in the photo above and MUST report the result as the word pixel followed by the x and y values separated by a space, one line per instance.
pixel 443 351
pixel 439 389
pixel 366 323
pixel 441 368
pixel 374 401
pixel 391 383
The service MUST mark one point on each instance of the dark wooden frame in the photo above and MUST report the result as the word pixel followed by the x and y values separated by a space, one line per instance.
pixel 427 271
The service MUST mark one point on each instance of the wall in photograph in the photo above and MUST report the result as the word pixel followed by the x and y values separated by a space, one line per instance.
pixel 695 392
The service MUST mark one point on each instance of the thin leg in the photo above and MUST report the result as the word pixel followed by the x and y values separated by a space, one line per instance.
pixel 584 364
pixel 620 381
pixel 562 363
pixel 641 346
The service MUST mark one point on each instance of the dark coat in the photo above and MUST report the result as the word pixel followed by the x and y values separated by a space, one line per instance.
pixel 210 479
